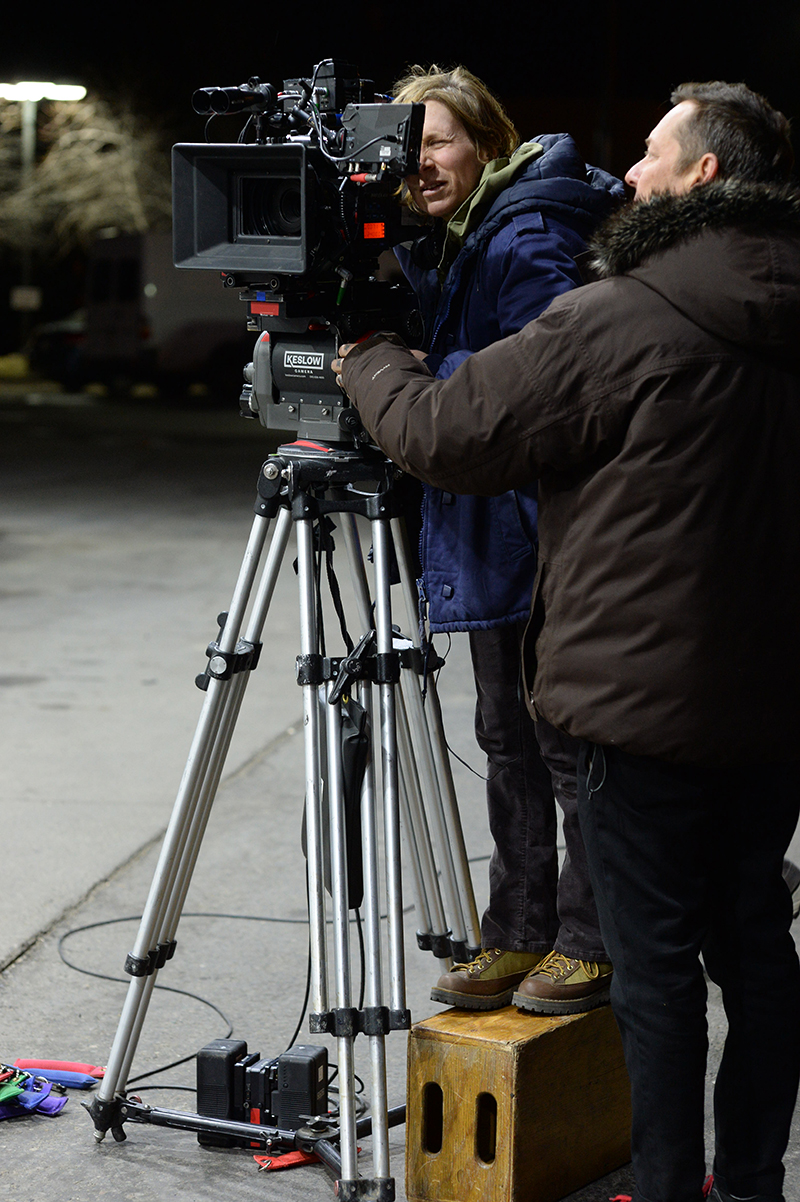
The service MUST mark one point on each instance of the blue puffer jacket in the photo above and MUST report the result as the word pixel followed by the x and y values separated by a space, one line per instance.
pixel 479 553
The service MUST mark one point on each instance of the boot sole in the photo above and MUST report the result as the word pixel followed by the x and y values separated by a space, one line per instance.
pixel 472 1001
pixel 578 1005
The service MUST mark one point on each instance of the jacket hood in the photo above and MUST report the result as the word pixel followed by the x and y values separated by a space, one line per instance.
pixel 725 255
pixel 558 180
pixel 547 174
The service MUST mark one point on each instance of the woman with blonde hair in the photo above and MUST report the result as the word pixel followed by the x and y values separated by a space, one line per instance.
pixel 506 223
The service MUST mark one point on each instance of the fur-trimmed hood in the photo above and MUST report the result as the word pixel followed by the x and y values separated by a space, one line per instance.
pixel 640 230
pixel 726 255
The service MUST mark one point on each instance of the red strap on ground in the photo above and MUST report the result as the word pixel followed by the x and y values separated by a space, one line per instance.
pixel 289 1160
pixel 91 1070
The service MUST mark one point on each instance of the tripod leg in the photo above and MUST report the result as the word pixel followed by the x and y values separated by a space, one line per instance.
pixel 451 887
pixel 155 940
pixel 374 976
pixel 374 998
pixel 427 729
pixel 313 768
pixel 469 911
pixel 391 798
pixel 433 931
pixel 343 1020
pixel 381 537
pixel 341 942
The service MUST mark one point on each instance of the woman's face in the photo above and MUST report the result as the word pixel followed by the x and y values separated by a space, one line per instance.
pixel 449 164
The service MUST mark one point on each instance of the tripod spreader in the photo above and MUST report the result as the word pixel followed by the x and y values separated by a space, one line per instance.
pixel 317 1136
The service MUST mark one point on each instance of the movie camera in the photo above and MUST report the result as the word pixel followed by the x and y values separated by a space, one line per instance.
pixel 297 220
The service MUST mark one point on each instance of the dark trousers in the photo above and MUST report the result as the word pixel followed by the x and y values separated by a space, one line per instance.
pixel 687 861
pixel 532 907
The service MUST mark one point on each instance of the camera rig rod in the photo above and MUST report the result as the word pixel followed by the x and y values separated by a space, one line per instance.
pixel 299 487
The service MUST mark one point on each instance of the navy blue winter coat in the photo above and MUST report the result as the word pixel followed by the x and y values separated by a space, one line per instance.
pixel 478 554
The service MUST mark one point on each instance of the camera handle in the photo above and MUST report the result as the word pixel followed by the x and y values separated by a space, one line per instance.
pixel 301 485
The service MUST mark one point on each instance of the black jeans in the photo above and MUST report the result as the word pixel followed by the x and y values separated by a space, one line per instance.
pixel 532 908
pixel 686 861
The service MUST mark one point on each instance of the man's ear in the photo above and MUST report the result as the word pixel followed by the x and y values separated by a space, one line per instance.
pixel 705 169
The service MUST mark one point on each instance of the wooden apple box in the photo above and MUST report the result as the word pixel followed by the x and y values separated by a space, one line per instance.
pixel 512 1107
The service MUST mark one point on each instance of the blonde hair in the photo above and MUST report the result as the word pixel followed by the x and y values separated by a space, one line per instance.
pixel 488 125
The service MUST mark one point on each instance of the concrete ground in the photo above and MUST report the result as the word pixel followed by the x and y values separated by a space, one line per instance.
pixel 121 533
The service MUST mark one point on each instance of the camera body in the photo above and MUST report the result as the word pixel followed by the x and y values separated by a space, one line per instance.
pixel 297 221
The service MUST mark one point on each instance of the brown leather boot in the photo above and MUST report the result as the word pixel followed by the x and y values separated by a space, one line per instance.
pixel 487 982
pixel 561 985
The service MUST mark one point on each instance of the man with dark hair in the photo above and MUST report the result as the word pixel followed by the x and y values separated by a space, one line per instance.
pixel 659 408
pixel 749 138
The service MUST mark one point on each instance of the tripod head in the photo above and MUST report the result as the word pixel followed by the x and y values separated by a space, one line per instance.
pixel 314 478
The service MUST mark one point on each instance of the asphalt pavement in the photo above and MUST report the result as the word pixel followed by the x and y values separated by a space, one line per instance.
pixel 122 529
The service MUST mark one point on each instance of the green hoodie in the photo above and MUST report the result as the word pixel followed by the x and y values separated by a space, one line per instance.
pixel 496 176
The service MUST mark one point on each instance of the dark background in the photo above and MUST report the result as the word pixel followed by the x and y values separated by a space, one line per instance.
pixel 602 71
pixel 606 66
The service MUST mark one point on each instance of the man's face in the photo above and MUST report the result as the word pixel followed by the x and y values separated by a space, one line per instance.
pixel 658 172
pixel 449 164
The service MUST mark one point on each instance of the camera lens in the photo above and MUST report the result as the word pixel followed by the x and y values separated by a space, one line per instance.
pixel 271 208
pixel 201 101
pixel 285 208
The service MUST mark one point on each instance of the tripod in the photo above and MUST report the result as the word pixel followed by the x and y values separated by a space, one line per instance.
pixel 407 773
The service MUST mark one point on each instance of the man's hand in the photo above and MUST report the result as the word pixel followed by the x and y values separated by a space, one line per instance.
pixel 336 365
pixel 345 350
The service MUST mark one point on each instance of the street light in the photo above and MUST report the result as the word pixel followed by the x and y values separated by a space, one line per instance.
pixel 26 298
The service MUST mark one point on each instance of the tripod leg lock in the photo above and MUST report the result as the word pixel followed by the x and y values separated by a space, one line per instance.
pixel 399 1020
pixel 375 1020
pixel 348 1022
pixel 419 662
pixel 442 946
pixel 141 966
pixel 145 966
pixel 387 667
pixel 462 952
pixel 222 665
pixel 365 1189
pixel 315 669
pixel 446 947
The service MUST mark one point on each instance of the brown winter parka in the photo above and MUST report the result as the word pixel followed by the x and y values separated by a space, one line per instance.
pixel 660 410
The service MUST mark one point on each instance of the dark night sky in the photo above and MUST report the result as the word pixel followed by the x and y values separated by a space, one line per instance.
pixel 601 70
pixel 559 64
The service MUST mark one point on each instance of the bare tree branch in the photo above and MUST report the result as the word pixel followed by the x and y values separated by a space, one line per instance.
pixel 100 170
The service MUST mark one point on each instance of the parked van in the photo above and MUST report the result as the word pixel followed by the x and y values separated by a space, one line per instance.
pixel 146 320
